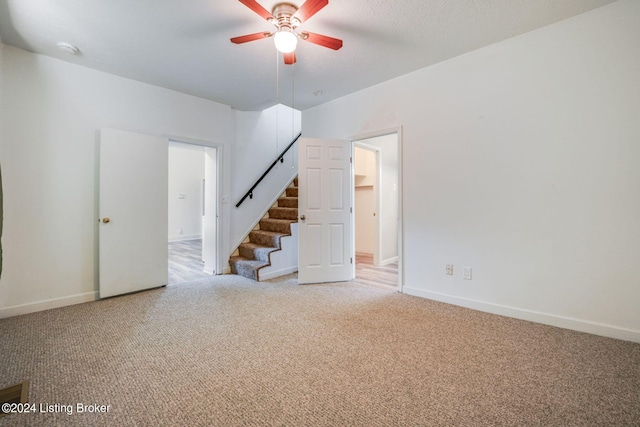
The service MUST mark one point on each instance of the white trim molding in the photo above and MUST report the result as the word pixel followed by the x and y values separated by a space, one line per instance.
pixel 33 307
pixel 532 316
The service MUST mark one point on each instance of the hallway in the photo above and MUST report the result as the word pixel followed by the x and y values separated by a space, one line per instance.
pixel 368 274
pixel 185 261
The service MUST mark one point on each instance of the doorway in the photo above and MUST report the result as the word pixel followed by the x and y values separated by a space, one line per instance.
pixel 376 201
pixel 192 211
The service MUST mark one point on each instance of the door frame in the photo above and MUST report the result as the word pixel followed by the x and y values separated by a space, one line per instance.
pixel 219 147
pixel 400 228
pixel 376 202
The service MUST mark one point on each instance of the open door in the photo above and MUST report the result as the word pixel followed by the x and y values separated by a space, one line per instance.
pixel 324 198
pixel 133 211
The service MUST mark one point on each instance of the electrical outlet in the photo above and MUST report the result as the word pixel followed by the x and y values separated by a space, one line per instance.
pixel 466 273
pixel 449 269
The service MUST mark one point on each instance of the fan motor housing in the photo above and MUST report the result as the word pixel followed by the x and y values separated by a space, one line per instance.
pixel 283 13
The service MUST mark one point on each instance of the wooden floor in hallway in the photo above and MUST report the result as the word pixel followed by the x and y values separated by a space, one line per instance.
pixel 185 261
pixel 369 274
pixel 366 274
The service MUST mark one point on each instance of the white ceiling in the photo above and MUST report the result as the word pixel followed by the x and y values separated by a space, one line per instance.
pixel 184 44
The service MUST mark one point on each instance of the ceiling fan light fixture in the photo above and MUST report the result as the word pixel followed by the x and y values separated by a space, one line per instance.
pixel 285 40
pixel 286 17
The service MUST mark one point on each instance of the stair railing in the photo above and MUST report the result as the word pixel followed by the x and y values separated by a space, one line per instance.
pixel 280 158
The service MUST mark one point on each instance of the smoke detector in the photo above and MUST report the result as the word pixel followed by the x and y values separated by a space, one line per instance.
pixel 68 48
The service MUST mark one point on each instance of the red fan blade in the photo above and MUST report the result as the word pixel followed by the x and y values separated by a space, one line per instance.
pixel 321 40
pixel 309 8
pixel 250 37
pixel 290 58
pixel 253 5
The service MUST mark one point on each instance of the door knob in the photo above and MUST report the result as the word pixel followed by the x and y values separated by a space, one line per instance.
pixel 106 220
pixel 302 218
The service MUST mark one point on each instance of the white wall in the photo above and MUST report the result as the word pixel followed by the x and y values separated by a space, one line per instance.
pixel 52 112
pixel 520 160
pixel 186 175
pixel 255 148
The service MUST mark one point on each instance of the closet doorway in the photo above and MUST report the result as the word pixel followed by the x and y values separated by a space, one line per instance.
pixel 192 208
pixel 376 202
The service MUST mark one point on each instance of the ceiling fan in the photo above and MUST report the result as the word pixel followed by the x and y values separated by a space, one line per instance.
pixel 286 17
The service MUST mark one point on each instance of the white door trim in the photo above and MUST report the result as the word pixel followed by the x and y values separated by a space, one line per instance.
pixel 219 156
pixel 382 132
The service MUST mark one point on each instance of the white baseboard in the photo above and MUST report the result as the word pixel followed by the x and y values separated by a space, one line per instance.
pixel 33 307
pixel 533 316
pixel 277 273
pixel 389 261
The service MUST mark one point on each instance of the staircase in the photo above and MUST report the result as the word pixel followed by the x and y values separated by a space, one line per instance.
pixel 255 253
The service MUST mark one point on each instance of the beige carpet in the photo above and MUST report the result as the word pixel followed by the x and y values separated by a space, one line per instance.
pixel 227 351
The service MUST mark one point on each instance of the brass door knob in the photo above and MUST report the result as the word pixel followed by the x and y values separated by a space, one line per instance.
pixel 106 220
pixel 302 218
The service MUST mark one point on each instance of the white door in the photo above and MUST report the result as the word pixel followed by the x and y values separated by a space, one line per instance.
pixel 133 253
pixel 324 211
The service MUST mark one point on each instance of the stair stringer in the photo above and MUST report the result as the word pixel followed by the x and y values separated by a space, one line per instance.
pixel 285 260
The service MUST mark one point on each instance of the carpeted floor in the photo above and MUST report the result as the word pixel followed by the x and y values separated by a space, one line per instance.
pixel 226 351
